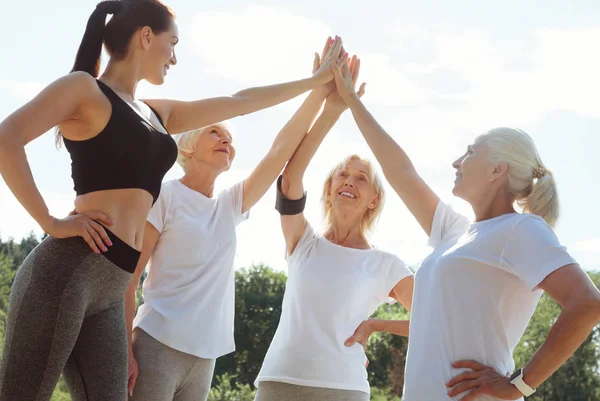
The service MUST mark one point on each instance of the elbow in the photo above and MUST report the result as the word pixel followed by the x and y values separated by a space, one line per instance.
pixel 8 140
pixel 289 177
pixel 595 305
pixel 589 306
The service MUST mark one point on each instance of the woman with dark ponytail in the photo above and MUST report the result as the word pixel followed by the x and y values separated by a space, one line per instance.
pixel 66 310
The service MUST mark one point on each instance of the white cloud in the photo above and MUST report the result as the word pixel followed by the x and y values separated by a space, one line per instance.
pixel 26 90
pixel 17 223
pixel 588 245
pixel 257 44
pixel 587 253
pixel 481 81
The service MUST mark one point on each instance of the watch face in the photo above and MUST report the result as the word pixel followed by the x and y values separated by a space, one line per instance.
pixel 515 375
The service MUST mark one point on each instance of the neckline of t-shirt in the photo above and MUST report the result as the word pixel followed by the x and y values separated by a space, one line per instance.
pixel 345 247
pixel 199 194
pixel 493 219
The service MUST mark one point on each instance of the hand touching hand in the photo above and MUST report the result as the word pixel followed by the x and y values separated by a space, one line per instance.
pixel 345 80
pixel 350 70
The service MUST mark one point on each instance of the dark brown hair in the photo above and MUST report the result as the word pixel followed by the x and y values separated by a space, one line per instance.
pixel 128 17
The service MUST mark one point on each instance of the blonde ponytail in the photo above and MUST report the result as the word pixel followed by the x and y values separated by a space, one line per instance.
pixel 532 185
pixel 543 199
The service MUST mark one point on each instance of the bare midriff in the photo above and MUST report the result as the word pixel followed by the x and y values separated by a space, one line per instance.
pixel 127 208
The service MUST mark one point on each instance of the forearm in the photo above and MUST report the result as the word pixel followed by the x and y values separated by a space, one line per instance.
pixel 294 131
pixel 130 306
pixel 566 335
pixel 259 98
pixel 397 327
pixel 295 169
pixel 387 151
pixel 16 172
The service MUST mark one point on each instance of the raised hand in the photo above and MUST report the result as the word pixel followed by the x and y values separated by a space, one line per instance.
pixel 481 380
pixel 335 102
pixel 333 51
pixel 346 77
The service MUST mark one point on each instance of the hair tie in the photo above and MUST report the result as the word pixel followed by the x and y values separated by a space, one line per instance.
pixel 539 172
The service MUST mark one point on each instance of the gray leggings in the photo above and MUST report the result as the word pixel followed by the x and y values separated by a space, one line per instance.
pixel 166 374
pixel 278 391
pixel 66 313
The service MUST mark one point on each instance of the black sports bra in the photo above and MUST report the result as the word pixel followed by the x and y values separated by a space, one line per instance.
pixel 128 153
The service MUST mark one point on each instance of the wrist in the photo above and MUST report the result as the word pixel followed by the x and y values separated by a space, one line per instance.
pixel 47 224
pixel 333 112
pixel 354 102
pixel 375 325
pixel 522 387
pixel 318 80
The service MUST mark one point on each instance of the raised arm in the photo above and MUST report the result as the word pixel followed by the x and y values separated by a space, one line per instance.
pixel 151 236
pixel 291 134
pixel 395 163
pixel 182 116
pixel 63 100
pixel 291 187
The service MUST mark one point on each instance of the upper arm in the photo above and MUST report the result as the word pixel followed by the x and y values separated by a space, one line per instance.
pixel 293 226
pixel 403 292
pixel 181 116
pixel 570 284
pixel 418 197
pixel 259 181
pixel 60 101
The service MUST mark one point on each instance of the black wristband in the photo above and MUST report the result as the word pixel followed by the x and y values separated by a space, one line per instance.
pixel 285 206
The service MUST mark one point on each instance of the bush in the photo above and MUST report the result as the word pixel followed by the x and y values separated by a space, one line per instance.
pixel 225 390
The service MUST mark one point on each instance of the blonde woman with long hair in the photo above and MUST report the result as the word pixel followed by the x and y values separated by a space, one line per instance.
pixel 336 280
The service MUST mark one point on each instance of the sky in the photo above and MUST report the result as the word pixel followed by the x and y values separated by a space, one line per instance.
pixel 438 74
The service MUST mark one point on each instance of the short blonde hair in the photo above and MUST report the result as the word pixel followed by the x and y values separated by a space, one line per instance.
pixel 529 181
pixel 186 142
pixel 371 216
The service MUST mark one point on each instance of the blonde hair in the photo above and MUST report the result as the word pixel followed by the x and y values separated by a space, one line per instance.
pixel 529 181
pixel 371 215
pixel 186 142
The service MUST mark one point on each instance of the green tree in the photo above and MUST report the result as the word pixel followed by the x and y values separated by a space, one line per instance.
pixel 579 378
pixel 259 295
pixel 387 354
pixel 226 389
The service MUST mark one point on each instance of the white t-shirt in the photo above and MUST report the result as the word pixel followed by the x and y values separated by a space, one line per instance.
pixel 330 291
pixel 474 296
pixel 189 291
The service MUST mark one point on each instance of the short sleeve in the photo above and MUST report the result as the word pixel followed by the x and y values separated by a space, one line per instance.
pixel 447 225
pixel 396 272
pixel 309 237
pixel 158 214
pixel 533 251
pixel 235 196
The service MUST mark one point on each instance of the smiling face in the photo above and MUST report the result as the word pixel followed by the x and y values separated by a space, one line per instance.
pixel 214 147
pixel 352 189
pixel 159 53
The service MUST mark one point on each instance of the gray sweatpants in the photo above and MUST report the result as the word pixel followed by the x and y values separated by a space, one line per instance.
pixel 278 391
pixel 66 311
pixel 166 374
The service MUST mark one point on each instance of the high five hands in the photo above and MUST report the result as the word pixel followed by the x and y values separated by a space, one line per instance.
pixel 341 89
